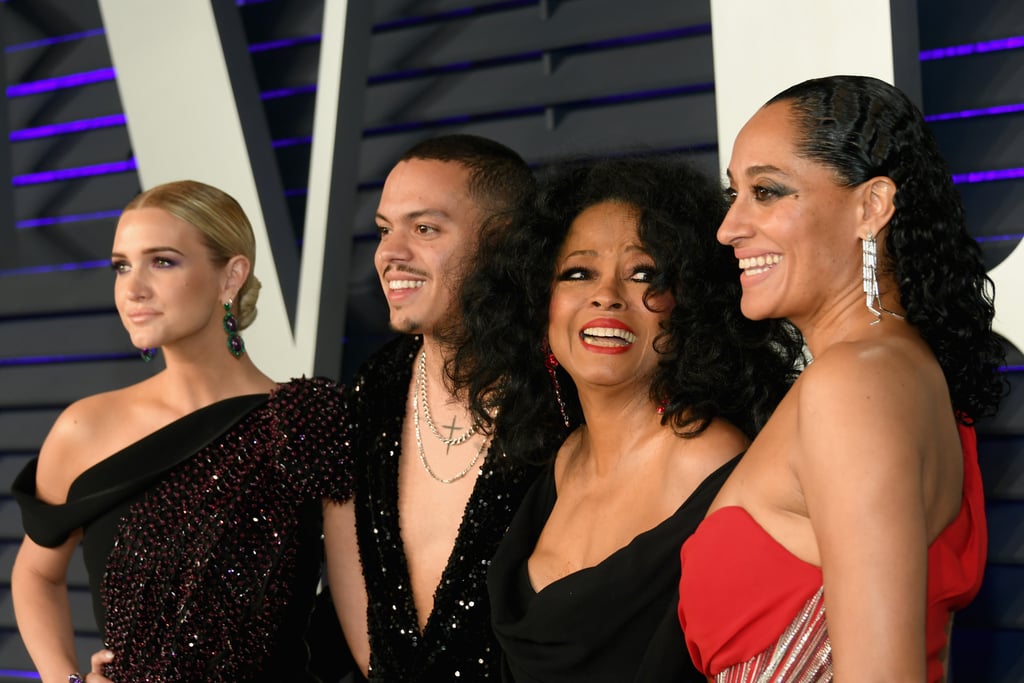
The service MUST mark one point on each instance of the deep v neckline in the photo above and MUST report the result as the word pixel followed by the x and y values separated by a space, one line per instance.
pixel 451 568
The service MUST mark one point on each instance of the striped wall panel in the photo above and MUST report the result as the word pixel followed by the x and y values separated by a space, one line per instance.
pixel 70 171
pixel 551 79
pixel 973 89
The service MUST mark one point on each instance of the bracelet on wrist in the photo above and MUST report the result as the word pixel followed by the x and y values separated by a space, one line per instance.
pixel 76 678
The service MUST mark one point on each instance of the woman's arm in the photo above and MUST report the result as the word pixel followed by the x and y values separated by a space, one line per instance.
pixel 39 588
pixel 345 577
pixel 39 576
pixel 861 461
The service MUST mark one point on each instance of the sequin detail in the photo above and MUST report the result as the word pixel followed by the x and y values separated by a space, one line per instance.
pixel 457 642
pixel 213 573
pixel 803 654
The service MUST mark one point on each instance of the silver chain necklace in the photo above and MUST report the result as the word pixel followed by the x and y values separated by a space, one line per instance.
pixel 421 388
pixel 423 455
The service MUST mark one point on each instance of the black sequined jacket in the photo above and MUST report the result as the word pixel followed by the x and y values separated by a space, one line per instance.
pixel 203 540
pixel 457 642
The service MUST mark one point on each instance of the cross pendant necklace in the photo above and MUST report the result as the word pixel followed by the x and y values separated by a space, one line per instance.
pixel 451 435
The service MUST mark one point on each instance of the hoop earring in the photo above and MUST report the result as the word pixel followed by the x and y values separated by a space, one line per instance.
pixel 872 299
pixel 235 344
pixel 551 363
pixel 147 354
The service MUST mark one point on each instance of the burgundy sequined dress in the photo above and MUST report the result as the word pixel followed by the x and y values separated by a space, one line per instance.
pixel 203 540
pixel 457 643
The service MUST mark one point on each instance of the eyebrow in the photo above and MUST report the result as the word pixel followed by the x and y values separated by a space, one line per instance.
pixel 593 252
pixel 416 215
pixel 150 250
pixel 758 170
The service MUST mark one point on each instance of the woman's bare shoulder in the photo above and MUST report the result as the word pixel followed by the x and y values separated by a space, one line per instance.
pixel 83 434
pixel 869 375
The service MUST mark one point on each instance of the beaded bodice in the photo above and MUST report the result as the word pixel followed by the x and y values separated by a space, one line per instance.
pixel 802 654
pixel 203 540
pixel 457 642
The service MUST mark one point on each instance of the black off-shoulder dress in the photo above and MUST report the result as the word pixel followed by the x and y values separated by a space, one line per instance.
pixel 202 541
pixel 614 622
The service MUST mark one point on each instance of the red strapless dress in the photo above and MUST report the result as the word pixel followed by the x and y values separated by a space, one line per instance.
pixel 753 611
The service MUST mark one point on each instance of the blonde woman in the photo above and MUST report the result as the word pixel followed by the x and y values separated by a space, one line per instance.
pixel 196 493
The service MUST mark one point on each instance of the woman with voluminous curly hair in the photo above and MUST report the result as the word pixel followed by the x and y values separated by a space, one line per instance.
pixel 604 337
pixel 854 526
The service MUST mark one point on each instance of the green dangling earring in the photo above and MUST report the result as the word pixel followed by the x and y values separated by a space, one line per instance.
pixel 235 344
pixel 147 354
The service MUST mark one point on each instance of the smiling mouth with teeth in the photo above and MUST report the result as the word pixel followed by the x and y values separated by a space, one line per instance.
pixel 756 265
pixel 608 336
pixel 405 284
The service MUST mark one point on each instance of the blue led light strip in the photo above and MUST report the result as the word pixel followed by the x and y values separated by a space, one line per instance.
pixel 46 42
pixel 1014 43
pixel 292 142
pixel 451 14
pixel 988 176
pixel 974 113
pixel 999 238
pixel 80 358
pixel 287 92
pixel 55 268
pixel 283 43
pixel 72 173
pixel 68 127
pixel 639 39
pixel 61 82
pixel 70 218
pixel 18 673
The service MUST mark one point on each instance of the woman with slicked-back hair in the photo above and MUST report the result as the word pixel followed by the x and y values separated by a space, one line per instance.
pixel 854 527
pixel 196 493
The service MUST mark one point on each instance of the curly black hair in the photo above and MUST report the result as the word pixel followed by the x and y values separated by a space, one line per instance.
pixel 861 128
pixel 499 180
pixel 713 363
